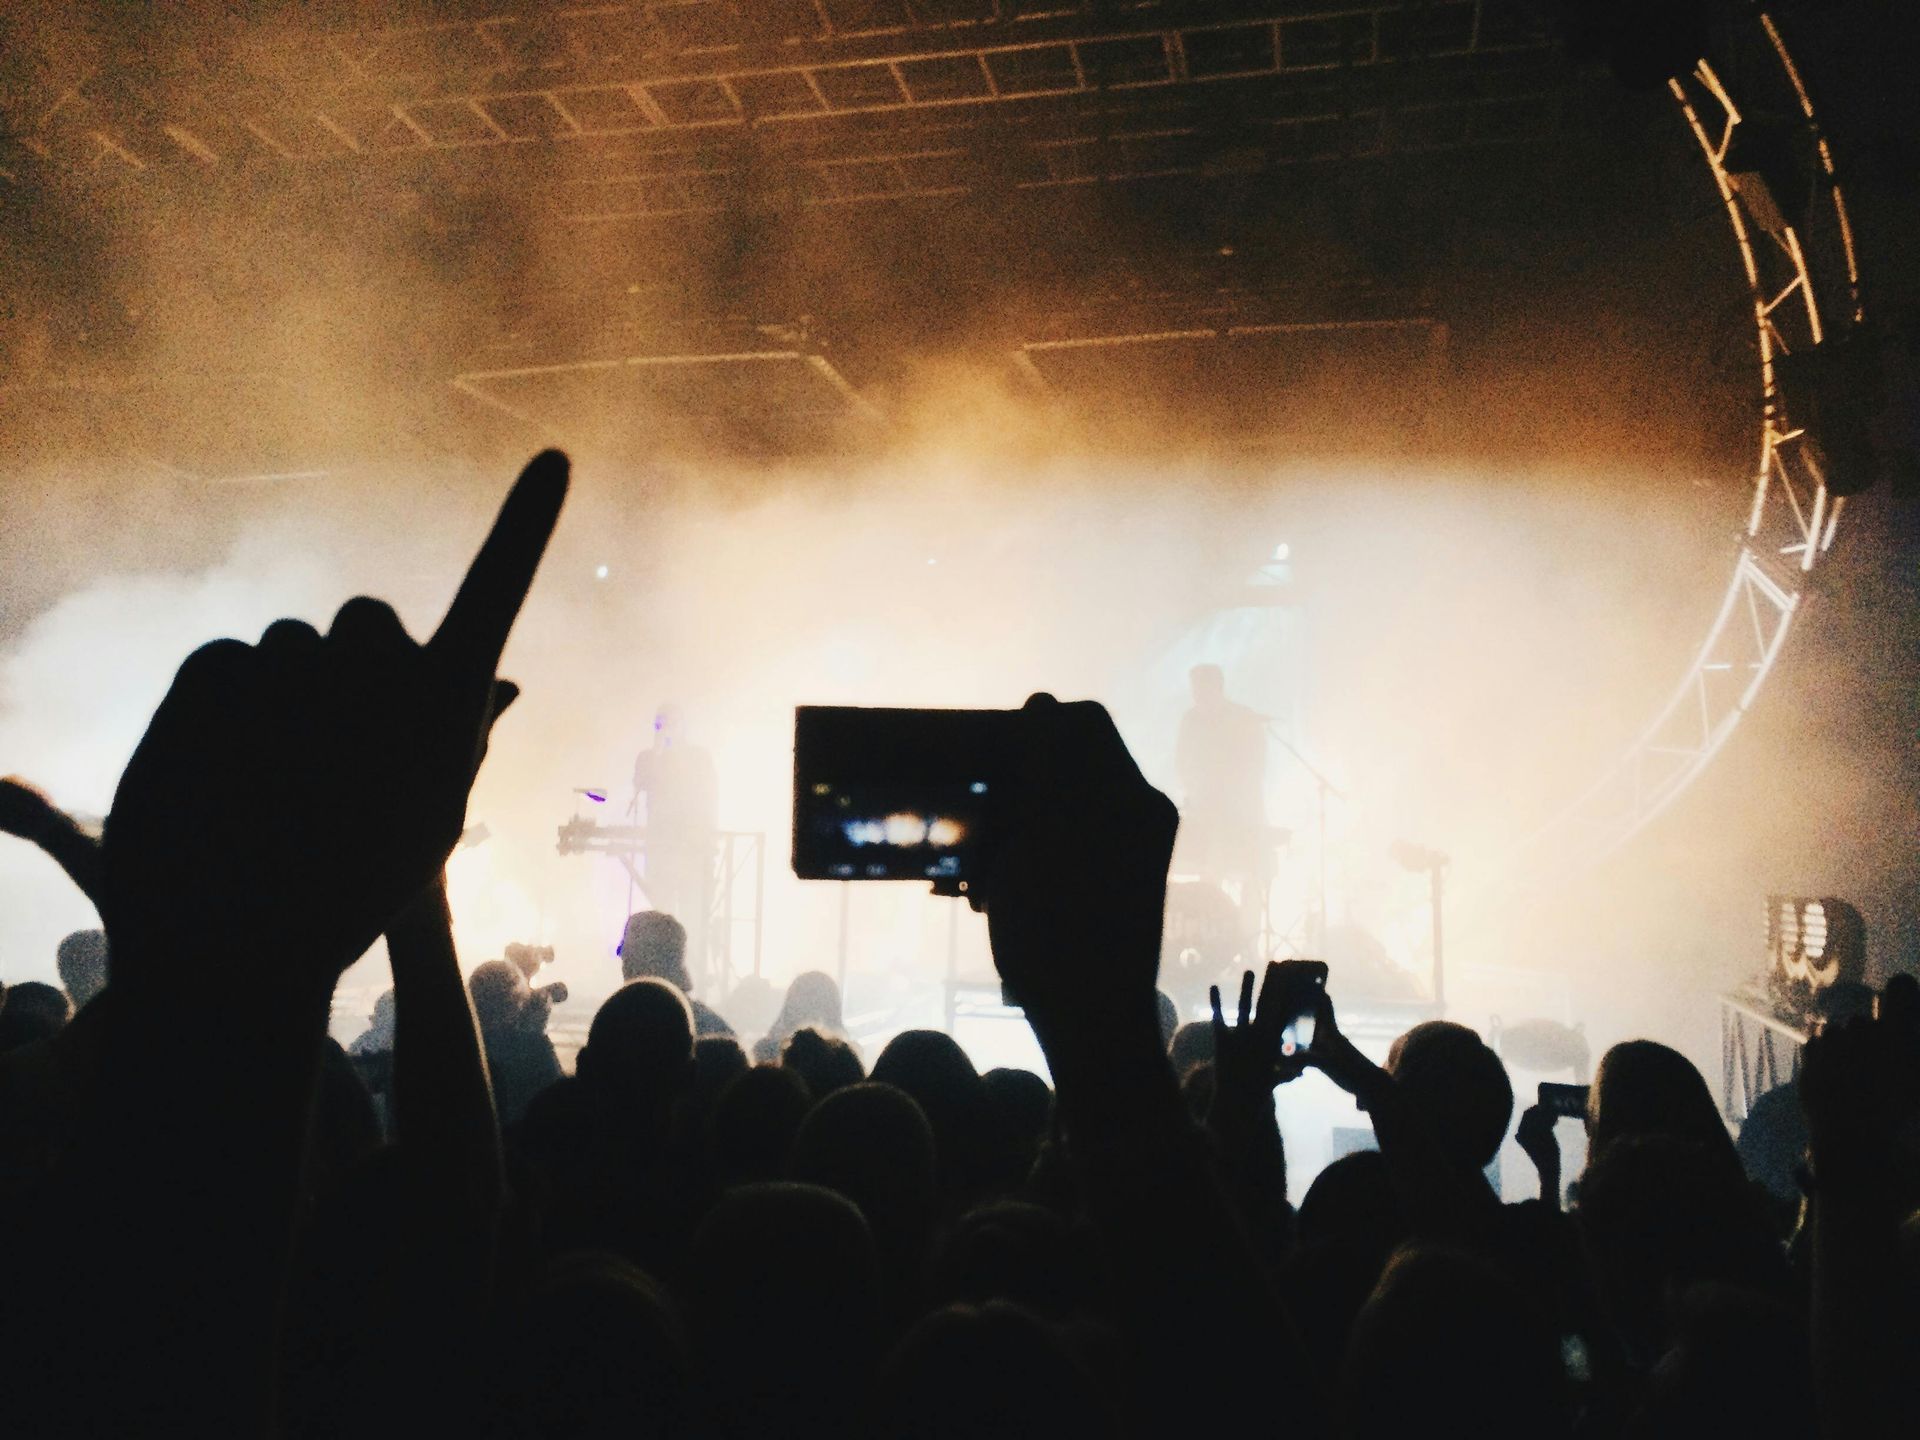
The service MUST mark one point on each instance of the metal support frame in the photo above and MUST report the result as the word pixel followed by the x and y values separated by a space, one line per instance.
pixel 1025 357
pixel 482 385
pixel 741 859
pixel 737 860
pixel 1804 284
pixel 656 106
pixel 1751 1037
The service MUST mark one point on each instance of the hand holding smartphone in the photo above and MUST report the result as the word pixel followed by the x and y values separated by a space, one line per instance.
pixel 884 794
pixel 1305 982
pixel 1564 1102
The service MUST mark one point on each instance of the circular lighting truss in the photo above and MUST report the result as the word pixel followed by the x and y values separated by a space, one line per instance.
pixel 1755 124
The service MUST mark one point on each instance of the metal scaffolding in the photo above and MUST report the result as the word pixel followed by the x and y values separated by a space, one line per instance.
pixel 1804 283
pixel 862 101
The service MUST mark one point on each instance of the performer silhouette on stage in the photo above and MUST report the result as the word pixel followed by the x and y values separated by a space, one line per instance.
pixel 1221 760
pixel 675 782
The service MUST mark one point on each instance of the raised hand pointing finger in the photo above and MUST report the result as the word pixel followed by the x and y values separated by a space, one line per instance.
pixel 292 795
pixel 477 623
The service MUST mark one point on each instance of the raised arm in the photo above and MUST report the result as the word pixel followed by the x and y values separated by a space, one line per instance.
pixel 27 813
pixel 1858 1088
pixel 230 918
pixel 443 1107
pixel 1536 1138
pixel 1074 900
pixel 1442 1201
pixel 1247 1066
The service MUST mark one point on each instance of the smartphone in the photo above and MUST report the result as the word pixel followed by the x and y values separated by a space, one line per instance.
pixel 884 794
pixel 1306 981
pixel 1567 1102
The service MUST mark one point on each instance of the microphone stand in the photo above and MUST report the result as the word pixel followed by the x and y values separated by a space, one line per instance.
pixel 1324 788
pixel 633 815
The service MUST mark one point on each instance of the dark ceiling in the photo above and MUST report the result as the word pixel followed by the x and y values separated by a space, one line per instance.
pixel 777 209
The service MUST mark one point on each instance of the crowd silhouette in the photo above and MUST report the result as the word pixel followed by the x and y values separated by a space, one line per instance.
pixel 220 1223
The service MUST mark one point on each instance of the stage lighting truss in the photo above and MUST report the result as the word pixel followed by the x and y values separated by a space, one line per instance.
pixel 1801 272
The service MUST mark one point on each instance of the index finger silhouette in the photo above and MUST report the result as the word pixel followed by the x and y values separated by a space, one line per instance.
pixel 1268 1005
pixel 481 616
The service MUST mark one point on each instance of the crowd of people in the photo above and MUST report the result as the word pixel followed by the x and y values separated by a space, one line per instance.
pixel 213 1229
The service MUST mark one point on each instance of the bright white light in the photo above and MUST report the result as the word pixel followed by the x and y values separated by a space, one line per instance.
pixel 600 572
pixel 1282 550
pixel 906 828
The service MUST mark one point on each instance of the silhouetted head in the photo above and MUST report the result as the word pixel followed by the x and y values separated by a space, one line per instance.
pixel 669 726
pixel 871 1144
pixel 1169 1015
pixel 1017 1109
pixel 82 963
pixel 1843 1000
pixel 783 1302
pixel 935 1071
pixel 967 1373
pixel 500 993
pixel 751 1127
pixel 384 1013
pixel 655 946
pixel 1352 1202
pixel 1658 1213
pixel 1011 1250
pixel 1459 1085
pixel 1646 1088
pixel 1192 1045
pixel 1209 684
pixel 812 999
pixel 34 1011
pixel 827 1063
pixel 1349 1224
pixel 1446 1334
pixel 716 1060
pixel 639 1049
pixel 594 1349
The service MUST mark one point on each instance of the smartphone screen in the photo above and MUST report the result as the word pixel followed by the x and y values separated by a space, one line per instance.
pixel 1297 1036
pixel 852 830
pixel 893 794
pixel 1306 980
pixel 1568 1102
